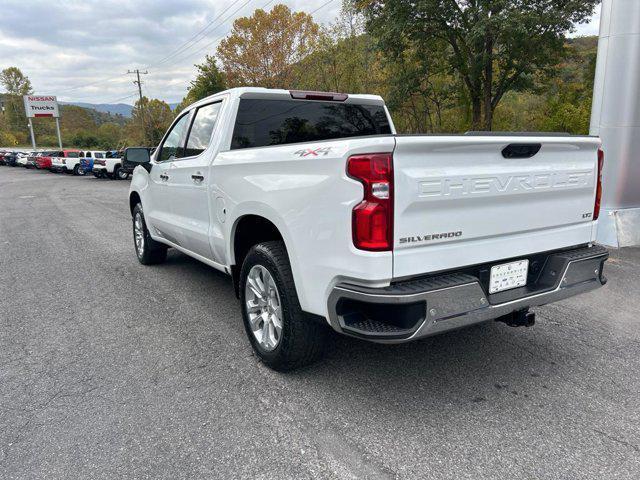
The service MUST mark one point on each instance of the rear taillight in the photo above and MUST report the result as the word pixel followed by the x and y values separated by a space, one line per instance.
pixel 596 207
pixel 372 220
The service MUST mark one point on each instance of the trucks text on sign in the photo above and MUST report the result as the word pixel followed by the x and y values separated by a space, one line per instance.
pixel 41 106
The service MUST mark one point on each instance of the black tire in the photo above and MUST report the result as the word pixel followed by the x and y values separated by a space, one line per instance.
pixel 114 175
pixel 121 174
pixel 152 252
pixel 303 339
pixel 77 170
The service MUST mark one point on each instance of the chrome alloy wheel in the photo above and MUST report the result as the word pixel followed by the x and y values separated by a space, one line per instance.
pixel 263 307
pixel 138 234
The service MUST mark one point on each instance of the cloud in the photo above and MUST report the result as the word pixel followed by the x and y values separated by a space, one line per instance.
pixel 69 47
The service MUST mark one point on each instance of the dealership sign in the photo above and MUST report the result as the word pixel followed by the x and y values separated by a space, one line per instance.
pixel 41 106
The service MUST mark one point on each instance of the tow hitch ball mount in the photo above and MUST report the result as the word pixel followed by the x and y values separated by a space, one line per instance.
pixel 519 318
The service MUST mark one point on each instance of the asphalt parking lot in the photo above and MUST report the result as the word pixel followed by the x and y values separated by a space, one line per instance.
pixel 109 369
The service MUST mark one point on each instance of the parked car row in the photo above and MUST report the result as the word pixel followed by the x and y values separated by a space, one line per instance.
pixel 102 164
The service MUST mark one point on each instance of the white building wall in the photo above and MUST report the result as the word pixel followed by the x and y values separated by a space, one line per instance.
pixel 615 117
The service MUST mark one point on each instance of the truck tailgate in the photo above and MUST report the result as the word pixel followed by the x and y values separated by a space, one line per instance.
pixel 459 201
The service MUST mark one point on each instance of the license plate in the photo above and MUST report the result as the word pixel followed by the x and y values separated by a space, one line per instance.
pixel 508 276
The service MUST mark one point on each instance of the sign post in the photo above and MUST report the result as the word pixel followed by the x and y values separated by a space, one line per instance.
pixel 58 130
pixel 33 137
pixel 42 106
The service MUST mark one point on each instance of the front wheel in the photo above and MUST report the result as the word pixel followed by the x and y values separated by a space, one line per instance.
pixel 121 174
pixel 78 170
pixel 282 336
pixel 148 251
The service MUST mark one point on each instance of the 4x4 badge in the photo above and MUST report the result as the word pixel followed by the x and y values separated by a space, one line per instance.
pixel 324 151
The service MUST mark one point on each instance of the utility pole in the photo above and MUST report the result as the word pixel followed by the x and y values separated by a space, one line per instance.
pixel 139 83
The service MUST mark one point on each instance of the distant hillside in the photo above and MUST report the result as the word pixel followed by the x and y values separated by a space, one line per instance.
pixel 111 108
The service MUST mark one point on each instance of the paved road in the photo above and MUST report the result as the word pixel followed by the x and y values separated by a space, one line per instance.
pixel 109 369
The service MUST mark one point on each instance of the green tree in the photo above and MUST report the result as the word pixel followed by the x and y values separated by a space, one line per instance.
pixel 109 135
pixel 16 84
pixel 494 46
pixel 208 81
pixel 149 121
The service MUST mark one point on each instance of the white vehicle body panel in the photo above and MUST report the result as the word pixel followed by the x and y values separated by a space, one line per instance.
pixel 109 166
pixel 490 207
pixel 310 201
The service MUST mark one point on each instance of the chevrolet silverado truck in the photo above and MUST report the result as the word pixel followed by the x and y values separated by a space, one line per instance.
pixel 87 158
pixel 323 215
pixel 67 161
pixel 109 167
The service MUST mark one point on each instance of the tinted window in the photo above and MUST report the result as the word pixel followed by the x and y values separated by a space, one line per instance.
pixel 276 122
pixel 173 146
pixel 99 155
pixel 89 154
pixel 138 155
pixel 73 154
pixel 202 128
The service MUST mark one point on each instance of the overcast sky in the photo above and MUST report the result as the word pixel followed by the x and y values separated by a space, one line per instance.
pixel 73 49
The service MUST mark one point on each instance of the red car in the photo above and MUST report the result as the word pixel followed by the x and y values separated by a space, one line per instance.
pixel 43 161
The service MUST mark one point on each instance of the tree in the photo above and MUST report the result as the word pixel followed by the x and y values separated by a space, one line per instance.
pixel 109 135
pixel 494 46
pixel 156 116
pixel 343 60
pixel 208 81
pixel 261 49
pixel 15 82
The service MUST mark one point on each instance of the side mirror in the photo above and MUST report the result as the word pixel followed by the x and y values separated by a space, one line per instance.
pixel 137 155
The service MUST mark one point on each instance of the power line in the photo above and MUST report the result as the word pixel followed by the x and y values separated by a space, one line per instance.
pixel 285 30
pixel 97 82
pixel 193 39
pixel 121 98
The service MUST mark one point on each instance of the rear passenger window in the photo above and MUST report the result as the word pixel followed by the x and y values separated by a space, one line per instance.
pixel 173 146
pixel 202 128
pixel 276 122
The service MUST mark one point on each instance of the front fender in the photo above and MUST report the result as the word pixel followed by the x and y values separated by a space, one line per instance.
pixel 140 186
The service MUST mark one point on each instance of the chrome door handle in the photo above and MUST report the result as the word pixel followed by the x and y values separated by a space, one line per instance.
pixel 164 176
pixel 197 177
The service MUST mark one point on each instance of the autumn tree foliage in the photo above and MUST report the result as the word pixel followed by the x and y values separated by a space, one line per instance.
pixel 262 49
pixel 493 46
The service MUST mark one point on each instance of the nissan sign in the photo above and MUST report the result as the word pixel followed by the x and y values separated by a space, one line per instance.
pixel 41 106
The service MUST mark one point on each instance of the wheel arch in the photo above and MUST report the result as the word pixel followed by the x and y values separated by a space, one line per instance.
pixel 134 199
pixel 249 230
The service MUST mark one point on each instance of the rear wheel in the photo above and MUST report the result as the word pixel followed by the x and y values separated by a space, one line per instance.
pixel 77 170
pixel 121 174
pixel 282 336
pixel 148 251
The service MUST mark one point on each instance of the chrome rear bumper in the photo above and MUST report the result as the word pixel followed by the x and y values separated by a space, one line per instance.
pixel 426 306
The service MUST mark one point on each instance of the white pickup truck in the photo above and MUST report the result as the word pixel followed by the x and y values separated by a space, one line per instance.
pixel 109 166
pixel 323 215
